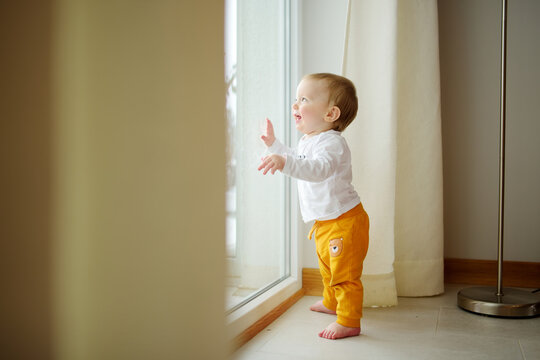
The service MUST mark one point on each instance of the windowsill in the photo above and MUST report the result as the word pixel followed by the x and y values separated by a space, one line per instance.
pixel 247 315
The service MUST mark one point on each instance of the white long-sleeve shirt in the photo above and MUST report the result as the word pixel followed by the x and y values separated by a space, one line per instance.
pixel 322 165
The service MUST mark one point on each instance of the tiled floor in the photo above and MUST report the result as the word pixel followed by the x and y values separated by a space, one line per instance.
pixel 418 328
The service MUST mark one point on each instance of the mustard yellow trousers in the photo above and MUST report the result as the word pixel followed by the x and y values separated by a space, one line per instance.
pixel 342 245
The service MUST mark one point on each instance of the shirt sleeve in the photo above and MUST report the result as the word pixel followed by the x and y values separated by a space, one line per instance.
pixel 278 148
pixel 322 163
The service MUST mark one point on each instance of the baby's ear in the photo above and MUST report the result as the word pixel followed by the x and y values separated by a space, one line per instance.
pixel 333 114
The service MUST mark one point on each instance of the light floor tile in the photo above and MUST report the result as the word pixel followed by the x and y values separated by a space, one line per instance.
pixel 456 321
pixel 531 348
pixel 403 321
pixel 447 299
pixel 418 328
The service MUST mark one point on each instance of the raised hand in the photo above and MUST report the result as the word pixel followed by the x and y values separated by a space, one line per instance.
pixel 269 137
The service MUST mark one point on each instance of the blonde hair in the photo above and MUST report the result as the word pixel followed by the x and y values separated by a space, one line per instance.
pixel 342 94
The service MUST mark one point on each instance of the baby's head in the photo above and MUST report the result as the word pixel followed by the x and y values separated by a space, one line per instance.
pixel 341 93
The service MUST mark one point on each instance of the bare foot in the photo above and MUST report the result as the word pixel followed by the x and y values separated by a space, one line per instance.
pixel 319 307
pixel 336 331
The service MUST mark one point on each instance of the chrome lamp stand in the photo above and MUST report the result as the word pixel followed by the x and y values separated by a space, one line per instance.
pixel 499 301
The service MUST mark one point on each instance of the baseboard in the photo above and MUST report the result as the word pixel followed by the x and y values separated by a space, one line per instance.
pixel 459 271
pixel 266 320
pixel 312 282
pixel 484 272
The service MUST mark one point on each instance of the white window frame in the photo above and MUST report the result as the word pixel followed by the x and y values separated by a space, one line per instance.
pixel 260 304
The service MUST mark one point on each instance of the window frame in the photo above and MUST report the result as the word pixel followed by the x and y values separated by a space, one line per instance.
pixel 254 307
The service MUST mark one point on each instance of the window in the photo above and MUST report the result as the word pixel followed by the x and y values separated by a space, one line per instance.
pixel 257 60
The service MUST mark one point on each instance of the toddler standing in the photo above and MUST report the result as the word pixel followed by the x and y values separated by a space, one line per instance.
pixel 325 105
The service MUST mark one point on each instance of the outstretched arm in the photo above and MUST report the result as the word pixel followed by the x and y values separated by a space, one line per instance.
pixel 273 144
pixel 276 160
pixel 327 155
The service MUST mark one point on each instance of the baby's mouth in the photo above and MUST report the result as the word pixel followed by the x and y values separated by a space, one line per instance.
pixel 297 117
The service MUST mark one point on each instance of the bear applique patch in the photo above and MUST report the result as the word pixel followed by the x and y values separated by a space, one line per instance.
pixel 336 247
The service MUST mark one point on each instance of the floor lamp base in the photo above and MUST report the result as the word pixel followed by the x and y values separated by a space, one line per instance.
pixel 514 303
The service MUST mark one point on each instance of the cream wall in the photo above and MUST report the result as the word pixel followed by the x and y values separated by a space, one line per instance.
pixel 113 146
pixel 469 51
pixel 470 68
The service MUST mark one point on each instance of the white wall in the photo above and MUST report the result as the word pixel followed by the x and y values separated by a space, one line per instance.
pixel 323 35
pixel 322 39
pixel 469 50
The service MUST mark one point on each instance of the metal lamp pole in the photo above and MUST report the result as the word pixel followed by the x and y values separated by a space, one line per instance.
pixel 499 301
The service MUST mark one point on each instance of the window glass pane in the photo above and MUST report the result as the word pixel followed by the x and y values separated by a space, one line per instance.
pixel 256 74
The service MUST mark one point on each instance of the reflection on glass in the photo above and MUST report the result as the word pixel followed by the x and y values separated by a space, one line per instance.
pixel 256 63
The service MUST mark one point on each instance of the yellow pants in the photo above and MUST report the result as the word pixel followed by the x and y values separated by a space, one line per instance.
pixel 342 245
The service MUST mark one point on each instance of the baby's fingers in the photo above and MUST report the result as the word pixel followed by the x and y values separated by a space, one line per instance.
pixel 269 127
pixel 263 163
pixel 266 165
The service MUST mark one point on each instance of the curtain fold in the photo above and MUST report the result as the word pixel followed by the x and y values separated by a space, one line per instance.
pixel 392 56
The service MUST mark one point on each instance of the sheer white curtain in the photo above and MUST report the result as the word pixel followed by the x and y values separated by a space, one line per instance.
pixel 392 56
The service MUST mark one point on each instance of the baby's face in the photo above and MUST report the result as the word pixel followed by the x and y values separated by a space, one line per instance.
pixel 311 108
